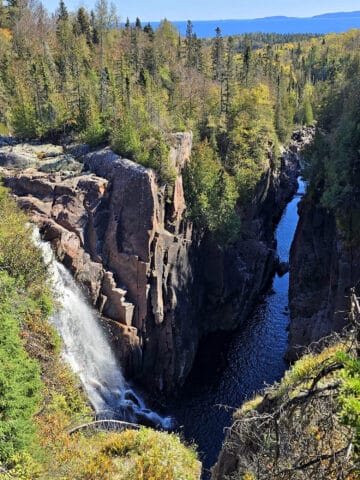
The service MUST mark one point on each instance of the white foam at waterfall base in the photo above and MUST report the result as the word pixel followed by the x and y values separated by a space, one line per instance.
pixel 86 349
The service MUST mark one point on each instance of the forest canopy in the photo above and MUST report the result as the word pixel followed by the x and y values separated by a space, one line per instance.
pixel 83 75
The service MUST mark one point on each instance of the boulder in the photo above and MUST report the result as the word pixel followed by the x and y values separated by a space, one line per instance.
pixel 282 268
pixel 78 150
pixel 7 141
pixel 13 159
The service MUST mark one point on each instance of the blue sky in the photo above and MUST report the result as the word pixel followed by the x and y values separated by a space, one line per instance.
pixel 215 9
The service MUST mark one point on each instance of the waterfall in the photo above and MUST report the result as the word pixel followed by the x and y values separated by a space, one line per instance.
pixel 86 349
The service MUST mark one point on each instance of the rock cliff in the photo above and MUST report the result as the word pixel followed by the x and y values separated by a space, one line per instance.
pixel 157 282
pixel 233 278
pixel 322 271
pixel 113 228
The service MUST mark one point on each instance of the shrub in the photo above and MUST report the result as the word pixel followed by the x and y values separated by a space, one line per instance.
pixel 143 454
pixel 20 385
pixel 350 395
pixel 18 256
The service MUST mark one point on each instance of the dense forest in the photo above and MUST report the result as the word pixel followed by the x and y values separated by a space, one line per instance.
pixel 81 76
pixel 333 161
pixel 77 74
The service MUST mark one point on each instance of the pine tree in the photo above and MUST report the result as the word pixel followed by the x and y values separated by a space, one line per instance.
pixel 247 60
pixel 138 23
pixel 149 30
pixel 102 18
pixel 228 75
pixel 83 25
pixel 189 43
pixel 218 56
pixel 62 14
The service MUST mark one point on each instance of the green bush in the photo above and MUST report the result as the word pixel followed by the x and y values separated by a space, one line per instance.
pixel 126 141
pixel 95 133
pixel 24 295
pixel 18 256
pixel 350 395
pixel 149 150
pixel 20 384
pixel 211 195
pixel 144 454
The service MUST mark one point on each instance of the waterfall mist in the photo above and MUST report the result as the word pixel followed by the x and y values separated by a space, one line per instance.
pixel 86 349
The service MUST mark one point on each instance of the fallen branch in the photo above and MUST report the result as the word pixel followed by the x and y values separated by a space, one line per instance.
pixel 106 425
pixel 320 458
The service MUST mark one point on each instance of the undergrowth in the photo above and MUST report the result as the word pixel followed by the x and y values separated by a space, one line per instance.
pixel 307 426
pixel 40 396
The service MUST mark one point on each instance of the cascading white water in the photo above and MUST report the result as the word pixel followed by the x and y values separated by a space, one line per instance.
pixel 86 349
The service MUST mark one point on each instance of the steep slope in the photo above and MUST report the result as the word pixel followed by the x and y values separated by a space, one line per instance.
pixel 301 428
pixel 40 396
pixel 110 232
pixel 159 283
pixel 325 257
pixel 323 269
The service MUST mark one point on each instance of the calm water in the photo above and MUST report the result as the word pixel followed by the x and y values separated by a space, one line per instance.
pixel 254 359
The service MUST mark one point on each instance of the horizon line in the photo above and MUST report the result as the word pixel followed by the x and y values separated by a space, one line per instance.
pixel 242 19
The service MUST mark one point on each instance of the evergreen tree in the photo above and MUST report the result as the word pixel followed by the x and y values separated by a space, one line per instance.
pixel 138 23
pixel 218 56
pixel 62 15
pixel 247 59
pixel 149 30
pixel 82 25
pixel 190 46
pixel 228 75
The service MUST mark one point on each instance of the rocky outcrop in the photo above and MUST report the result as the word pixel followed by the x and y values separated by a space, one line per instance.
pixel 322 271
pixel 46 157
pixel 233 278
pixel 115 230
pixel 159 284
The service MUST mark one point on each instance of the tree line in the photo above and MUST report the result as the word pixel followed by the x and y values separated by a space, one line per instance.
pixel 83 75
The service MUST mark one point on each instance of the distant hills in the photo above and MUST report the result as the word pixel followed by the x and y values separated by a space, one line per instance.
pixel 327 23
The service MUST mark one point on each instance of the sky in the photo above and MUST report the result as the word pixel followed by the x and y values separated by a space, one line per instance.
pixel 154 10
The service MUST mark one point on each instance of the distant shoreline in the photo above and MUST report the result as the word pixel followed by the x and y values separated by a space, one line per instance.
pixel 319 24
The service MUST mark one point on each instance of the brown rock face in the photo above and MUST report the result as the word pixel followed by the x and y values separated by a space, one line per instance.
pixel 322 271
pixel 159 283
pixel 110 229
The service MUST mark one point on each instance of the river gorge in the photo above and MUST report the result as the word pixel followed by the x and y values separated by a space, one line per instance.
pixel 179 246
pixel 254 358
pixel 183 315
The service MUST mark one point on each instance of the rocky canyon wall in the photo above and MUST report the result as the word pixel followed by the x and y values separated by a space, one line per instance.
pixel 322 271
pixel 234 277
pixel 159 284
pixel 109 222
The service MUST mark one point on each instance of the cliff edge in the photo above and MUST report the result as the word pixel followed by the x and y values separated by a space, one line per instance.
pixel 159 284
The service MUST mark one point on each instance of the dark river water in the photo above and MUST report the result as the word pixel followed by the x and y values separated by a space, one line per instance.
pixel 254 359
